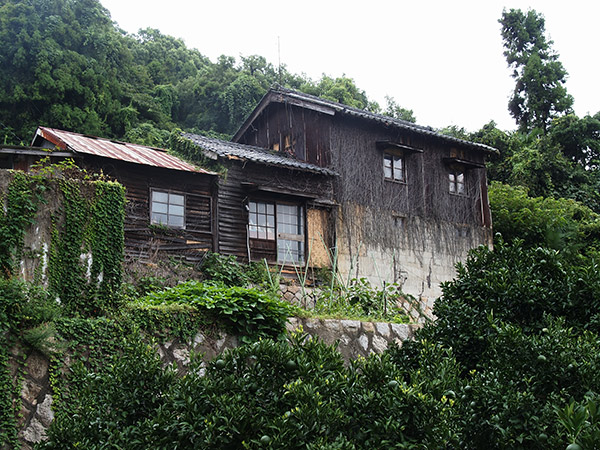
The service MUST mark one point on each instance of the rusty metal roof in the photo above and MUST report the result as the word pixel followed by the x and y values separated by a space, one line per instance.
pixel 122 151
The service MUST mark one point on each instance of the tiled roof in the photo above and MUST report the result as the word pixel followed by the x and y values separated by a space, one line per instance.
pixel 282 95
pixel 122 151
pixel 232 150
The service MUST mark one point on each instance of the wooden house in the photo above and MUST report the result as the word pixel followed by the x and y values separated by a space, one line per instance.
pixel 271 205
pixel 170 203
pixel 407 202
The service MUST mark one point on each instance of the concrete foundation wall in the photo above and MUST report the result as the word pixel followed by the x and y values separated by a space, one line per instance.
pixel 419 255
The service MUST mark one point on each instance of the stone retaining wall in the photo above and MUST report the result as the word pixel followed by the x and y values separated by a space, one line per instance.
pixel 354 339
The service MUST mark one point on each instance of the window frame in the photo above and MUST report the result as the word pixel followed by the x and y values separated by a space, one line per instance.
pixel 393 157
pixel 169 204
pixel 454 182
pixel 277 236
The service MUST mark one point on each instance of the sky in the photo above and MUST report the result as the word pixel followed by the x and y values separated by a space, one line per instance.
pixel 442 59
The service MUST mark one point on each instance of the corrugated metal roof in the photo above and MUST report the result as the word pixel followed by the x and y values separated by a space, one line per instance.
pixel 280 94
pixel 122 151
pixel 233 150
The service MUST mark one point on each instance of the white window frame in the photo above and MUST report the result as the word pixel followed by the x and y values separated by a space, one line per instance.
pixel 267 221
pixel 457 182
pixel 167 205
pixel 394 167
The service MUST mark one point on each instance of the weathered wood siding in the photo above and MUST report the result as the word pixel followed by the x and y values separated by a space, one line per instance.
pixel 233 195
pixel 309 132
pixel 144 240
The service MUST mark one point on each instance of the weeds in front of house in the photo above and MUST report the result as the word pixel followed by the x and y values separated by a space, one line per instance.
pixel 352 298
pixel 360 300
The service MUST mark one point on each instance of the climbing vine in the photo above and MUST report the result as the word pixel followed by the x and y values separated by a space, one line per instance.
pixel 86 252
pixel 186 149
pixel 66 273
pixel 22 198
pixel 106 240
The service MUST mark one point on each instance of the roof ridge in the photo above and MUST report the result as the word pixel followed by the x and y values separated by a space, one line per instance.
pixel 382 118
pixel 100 138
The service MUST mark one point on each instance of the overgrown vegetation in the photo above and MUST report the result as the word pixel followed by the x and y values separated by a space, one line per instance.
pixel 245 311
pixel 561 224
pixel 358 299
pixel 135 87
pixel 21 199
pixel 511 362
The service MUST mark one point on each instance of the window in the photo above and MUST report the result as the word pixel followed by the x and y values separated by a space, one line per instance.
pixel 281 223
pixel 393 167
pixel 457 182
pixel 290 233
pixel 167 209
pixel 261 219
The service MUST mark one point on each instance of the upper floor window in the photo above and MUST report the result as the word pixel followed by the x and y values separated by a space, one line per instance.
pixel 167 209
pixel 456 182
pixel 394 167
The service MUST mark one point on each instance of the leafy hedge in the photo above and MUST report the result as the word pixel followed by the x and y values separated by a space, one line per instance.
pixel 243 311
pixel 270 394
pixel 510 363
pixel 561 224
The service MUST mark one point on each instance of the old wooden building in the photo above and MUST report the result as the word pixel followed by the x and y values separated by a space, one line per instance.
pixel 407 202
pixel 271 205
pixel 170 203
pixel 305 181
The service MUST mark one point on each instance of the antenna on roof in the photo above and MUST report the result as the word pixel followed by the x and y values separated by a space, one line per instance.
pixel 279 57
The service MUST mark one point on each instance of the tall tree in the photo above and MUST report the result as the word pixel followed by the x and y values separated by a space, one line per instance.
pixel 540 94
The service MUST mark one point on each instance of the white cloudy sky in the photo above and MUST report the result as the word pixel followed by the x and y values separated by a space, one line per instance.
pixel 442 59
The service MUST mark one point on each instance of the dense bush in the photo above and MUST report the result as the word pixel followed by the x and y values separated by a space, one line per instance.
pixel 359 299
pixel 520 383
pixel 110 405
pixel 515 285
pixel 244 311
pixel 229 271
pixel 269 394
pixel 562 224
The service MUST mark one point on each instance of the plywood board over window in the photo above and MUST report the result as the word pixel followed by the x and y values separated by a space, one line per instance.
pixel 317 230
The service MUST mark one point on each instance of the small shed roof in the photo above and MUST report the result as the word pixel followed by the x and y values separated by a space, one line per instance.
pixel 233 150
pixel 282 95
pixel 108 148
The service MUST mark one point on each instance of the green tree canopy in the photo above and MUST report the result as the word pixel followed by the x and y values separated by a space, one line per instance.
pixel 539 93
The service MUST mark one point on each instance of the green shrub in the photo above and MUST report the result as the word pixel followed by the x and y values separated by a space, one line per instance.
pixel 244 311
pixel 521 380
pixel 227 270
pixel 582 421
pixel 516 285
pixel 275 394
pixel 109 406
pixel 547 222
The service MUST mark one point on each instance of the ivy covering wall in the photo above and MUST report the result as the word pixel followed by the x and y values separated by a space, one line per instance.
pixel 84 269
pixel 83 266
